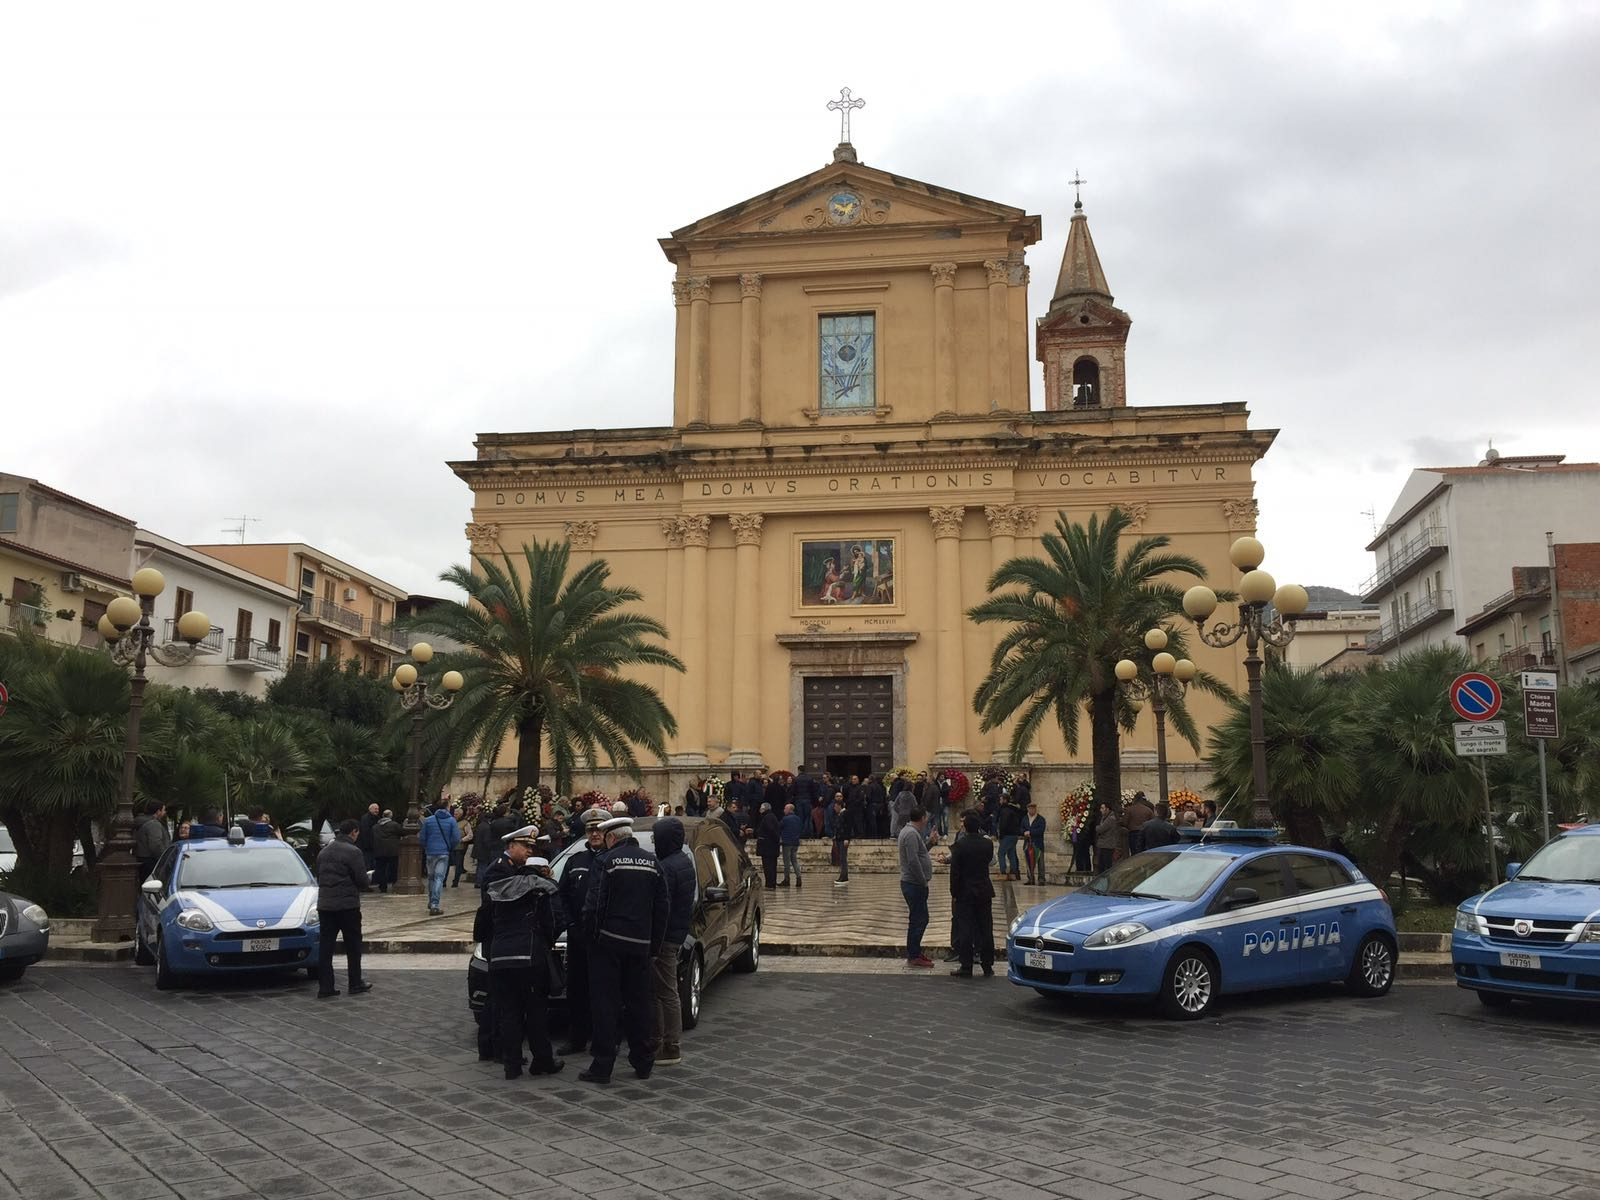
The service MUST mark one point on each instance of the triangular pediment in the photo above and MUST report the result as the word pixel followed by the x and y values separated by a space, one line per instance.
pixel 845 196
pixel 1086 314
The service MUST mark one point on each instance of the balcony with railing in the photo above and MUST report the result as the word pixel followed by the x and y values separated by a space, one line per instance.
pixel 335 616
pixel 27 616
pixel 252 654
pixel 1530 656
pixel 383 633
pixel 1434 606
pixel 1414 552
pixel 210 644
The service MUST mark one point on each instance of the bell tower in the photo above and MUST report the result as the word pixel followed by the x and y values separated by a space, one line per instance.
pixel 1081 339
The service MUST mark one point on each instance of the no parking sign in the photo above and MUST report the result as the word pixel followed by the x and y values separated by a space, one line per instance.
pixel 1475 697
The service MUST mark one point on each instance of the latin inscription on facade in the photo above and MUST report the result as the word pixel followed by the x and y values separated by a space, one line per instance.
pixel 882 484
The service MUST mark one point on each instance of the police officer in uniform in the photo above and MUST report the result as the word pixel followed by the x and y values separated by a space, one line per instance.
pixel 522 921
pixel 574 890
pixel 625 921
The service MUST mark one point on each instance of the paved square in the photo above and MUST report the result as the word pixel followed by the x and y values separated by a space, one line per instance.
pixel 801 1081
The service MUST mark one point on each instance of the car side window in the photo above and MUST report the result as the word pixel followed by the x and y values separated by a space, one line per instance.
pixel 1313 873
pixel 708 866
pixel 164 864
pixel 1263 875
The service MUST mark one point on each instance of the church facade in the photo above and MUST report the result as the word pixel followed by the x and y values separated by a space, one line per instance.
pixel 851 454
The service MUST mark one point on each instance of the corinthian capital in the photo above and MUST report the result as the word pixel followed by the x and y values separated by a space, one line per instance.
pixel 699 286
pixel 1012 520
pixel 680 293
pixel 947 520
pixel 746 528
pixel 750 287
pixel 582 534
pixel 944 274
pixel 697 530
pixel 672 530
pixel 1241 514
pixel 484 537
pixel 998 270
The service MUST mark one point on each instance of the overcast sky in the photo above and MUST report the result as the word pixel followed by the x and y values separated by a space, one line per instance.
pixel 286 260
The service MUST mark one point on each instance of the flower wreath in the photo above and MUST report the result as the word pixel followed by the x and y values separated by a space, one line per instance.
pixel 589 799
pixel 960 785
pixel 715 786
pixel 1075 810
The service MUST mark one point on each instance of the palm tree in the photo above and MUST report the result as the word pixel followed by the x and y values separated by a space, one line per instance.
pixel 544 658
pixel 274 765
pixel 1071 615
pixel 1313 751
pixel 61 748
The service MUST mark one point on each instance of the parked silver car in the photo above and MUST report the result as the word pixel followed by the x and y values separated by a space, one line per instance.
pixel 24 935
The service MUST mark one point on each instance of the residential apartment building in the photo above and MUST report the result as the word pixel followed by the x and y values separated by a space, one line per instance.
pixel 1326 644
pixel 341 612
pixel 251 617
pixel 1453 535
pixel 62 560
pixel 1535 627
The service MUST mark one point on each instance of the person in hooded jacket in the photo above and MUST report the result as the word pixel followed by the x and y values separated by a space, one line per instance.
pixel 575 880
pixel 677 868
pixel 386 850
pixel 524 916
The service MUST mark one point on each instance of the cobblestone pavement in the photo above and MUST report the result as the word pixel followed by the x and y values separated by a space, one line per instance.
pixel 851 1086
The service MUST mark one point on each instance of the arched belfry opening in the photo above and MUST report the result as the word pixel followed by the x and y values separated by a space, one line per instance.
pixel 1086 383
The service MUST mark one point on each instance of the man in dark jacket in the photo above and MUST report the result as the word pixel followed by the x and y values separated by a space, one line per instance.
pixel 694 798
pixel 208 826
pixel 625 922
pixel 151 839
pixel 972 898
pixel 575 879
pixel 1033 828
pixel 341 878
pixel 805 794
pixel 369 819
pixel 1008 827
pixel 1159 830
pixel 877 805
pixel 790 830
pixel 523 920
pixel 386 851
pixel 1135 816
pixel 677 868
pixel 767 845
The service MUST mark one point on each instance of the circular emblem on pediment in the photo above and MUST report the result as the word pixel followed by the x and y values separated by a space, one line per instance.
pixel 844 208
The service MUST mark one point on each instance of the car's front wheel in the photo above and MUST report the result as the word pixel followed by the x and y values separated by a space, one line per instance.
pixel 751 958
pixel 166 977
pixel 1372 973
pixel 690 985
pixel 1189 987
pixel 12 971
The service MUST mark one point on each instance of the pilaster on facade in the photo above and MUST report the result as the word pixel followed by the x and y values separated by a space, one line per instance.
pixel 483 536
pixel 582 534
pixel 1241 515
pixel 746 528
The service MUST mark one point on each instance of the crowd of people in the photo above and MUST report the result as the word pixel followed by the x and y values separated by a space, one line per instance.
pixel 1115 833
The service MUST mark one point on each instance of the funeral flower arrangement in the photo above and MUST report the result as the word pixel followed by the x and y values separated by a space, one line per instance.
pixel 1007 779
pixel 715 786
pixel 1182 798
pixel 960 785
pixel 589 799
pixel 637 800
pixel 1075 810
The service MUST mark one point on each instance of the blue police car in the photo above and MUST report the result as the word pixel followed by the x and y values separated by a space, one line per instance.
pixel 1536 936
pixel 1184 924
pixel 227 904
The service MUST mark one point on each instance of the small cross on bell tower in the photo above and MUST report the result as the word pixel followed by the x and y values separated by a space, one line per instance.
pixel 844 151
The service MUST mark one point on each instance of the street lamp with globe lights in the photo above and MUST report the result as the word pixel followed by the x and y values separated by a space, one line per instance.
pixel 127 630
pixel 1168 682
pixel 416 699
pixel 1257 590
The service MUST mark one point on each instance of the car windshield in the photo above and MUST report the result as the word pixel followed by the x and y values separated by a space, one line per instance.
pixel 7 846
pixel 1565 860
pixel 1161 875
pixel 644 837
pixel 241 867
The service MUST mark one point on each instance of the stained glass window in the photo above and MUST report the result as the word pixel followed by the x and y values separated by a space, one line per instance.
pixel 848 362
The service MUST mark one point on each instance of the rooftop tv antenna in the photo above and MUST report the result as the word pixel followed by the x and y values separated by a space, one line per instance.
pixel 241 522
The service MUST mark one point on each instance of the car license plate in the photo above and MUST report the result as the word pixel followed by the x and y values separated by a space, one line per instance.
pixel 260 945
pixel 1528 962
pixel 1037 958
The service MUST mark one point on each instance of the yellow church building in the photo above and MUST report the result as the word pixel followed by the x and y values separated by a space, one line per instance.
pixel 851 454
